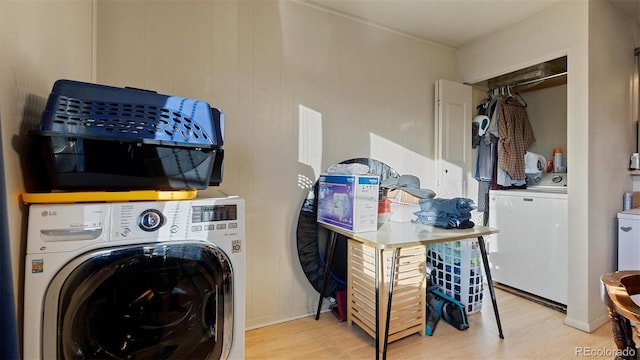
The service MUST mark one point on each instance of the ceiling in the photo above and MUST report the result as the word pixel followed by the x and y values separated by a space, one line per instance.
pixel 450 22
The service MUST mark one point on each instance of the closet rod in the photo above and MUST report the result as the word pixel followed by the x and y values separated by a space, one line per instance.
pixel 532 81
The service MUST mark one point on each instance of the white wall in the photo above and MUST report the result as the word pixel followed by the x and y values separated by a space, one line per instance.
pixel 612 39
pixel 547 111
pixel 263 63
pixel 573 28
pixel 40 42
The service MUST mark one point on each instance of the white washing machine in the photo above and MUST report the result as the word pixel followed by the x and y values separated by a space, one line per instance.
pixel 531 251
pixel 153 280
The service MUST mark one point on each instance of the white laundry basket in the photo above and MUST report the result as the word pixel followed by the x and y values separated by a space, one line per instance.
pixel 457 268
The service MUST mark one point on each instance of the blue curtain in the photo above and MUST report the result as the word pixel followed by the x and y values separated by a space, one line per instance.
pixel 8 323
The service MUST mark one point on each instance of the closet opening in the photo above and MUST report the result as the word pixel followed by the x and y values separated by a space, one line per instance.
pixel 522 190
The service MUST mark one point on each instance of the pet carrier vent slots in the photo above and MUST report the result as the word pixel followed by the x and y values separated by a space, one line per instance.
pixel 102 137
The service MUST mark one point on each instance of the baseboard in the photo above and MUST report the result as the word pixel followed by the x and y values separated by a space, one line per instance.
pixel 587 326
pixel 531 297
pixel 260 324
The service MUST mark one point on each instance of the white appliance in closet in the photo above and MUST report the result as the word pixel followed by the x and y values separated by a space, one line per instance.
pixel 629 239
pixel 531 251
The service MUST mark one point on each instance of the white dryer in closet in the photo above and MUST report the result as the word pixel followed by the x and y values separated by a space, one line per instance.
pixel 531 251
pixel 153 280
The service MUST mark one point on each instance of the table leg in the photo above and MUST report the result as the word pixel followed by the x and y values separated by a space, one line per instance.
pixel 327 268
pixel 487 271
pixel 392 278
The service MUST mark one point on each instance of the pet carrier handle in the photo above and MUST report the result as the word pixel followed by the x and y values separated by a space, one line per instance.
pixel 217 118
pixel 217 168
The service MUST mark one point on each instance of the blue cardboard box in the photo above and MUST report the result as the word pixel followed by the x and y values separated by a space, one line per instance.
pixel 349 202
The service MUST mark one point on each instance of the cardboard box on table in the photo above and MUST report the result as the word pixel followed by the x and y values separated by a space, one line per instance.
pixel 349 202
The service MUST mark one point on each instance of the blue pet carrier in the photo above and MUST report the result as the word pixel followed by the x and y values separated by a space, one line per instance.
pixel 102 137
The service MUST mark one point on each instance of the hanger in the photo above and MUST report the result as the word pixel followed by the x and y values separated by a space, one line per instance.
pixel 505 91
pixel 518 97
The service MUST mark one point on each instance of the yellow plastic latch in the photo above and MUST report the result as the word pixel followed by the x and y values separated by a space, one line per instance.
pixel 107 196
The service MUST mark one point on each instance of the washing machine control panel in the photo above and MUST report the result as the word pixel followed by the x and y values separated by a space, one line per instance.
pixel 206 219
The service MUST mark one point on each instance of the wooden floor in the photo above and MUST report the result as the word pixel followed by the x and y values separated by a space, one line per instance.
pixel 531 331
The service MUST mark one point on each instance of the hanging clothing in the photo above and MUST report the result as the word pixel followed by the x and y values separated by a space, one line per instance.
pixel 508 127
pixel 493 125
pixel 485 158
pixel 516 135
pixel 487 154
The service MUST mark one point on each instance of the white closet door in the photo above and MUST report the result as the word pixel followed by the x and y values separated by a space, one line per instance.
pixel 454 112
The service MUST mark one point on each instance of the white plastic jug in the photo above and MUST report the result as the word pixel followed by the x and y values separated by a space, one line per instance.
pixel 634 163
pixel 534 163
pixel 557 160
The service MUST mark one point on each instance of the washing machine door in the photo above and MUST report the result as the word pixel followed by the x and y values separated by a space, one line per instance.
pixel 155 301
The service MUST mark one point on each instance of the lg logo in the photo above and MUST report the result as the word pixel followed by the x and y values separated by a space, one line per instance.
pixel 46 213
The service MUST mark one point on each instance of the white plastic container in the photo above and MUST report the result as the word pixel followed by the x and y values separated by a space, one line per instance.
pixel 627 201
pixel 557 160
pixel 634 162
